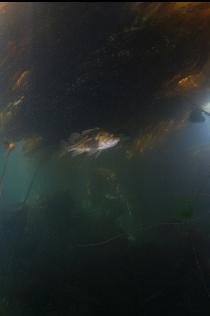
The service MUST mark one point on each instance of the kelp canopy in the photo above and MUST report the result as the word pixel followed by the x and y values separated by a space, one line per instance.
pixel 54 82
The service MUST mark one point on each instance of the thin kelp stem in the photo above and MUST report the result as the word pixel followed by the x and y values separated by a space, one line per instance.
pixel 10 148
pixel 4 171
pixel 101 243
pixel 118 236
pixel 141 229
pixel 28 192
pixel 198 265
pixel 31 185
pixel 200 271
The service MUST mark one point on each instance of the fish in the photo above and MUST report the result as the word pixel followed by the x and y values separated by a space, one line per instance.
pixel 91 142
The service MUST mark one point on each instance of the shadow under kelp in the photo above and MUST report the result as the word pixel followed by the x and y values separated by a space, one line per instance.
pixel 118 278
pixel 59 223
pixel 104 195
pixel 57 263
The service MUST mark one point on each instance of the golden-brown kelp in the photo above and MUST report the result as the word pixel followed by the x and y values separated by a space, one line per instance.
pixel 32 144
pixel 155 12
pixel 10 148
pixel 192 81
pixel 183 83
pixel 22 81
pixel 3 6
pixel 15 105
pixel 151 137
pixel 182 22
pixel 5 118
pixel 8 114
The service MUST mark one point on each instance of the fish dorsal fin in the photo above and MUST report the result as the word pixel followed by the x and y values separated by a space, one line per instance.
pixel 89 130
pixel 73 137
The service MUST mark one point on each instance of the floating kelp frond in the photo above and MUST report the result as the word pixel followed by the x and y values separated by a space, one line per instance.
pixel 190 80
pixel 22 80
pixel 32 144
pixel 155 12
pixel 182 83
pixel 152 137
pixel 11 146
pixel 10 111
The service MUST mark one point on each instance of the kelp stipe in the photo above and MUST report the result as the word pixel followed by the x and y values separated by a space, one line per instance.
pixel 10 148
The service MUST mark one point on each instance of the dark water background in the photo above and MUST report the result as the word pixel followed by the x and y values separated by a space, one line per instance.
pixel 126 233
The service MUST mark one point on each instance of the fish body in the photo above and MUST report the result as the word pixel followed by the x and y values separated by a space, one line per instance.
pixel 91 142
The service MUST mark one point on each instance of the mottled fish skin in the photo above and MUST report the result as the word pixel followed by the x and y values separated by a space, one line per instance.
pixel 91 142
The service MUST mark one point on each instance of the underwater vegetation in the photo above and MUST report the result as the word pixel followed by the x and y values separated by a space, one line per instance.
pixel 108 236
pixel 67 225
pixel 64 261
pixel 10 148
pixel 22 80
pixel 32 144
pixel 153 137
